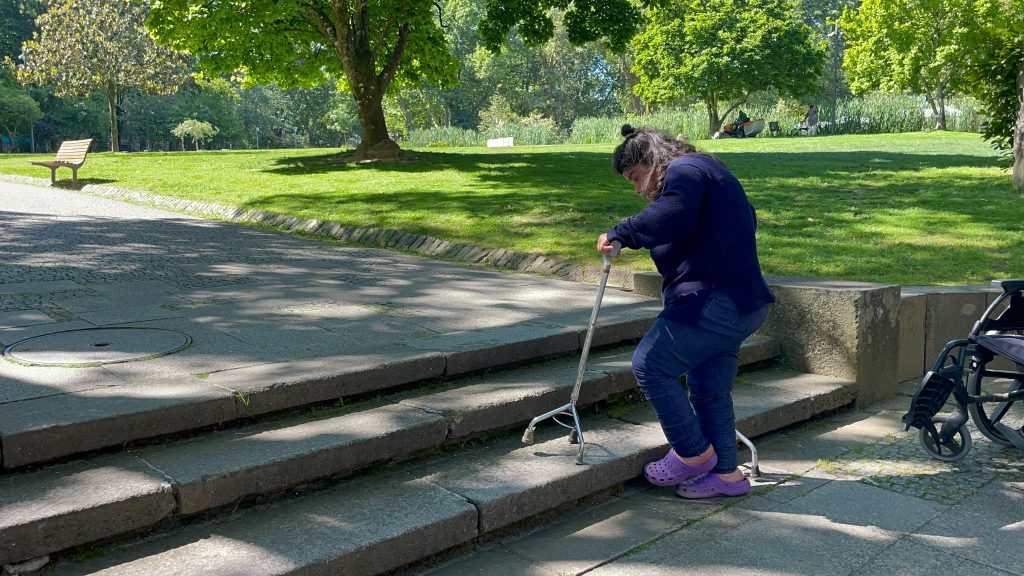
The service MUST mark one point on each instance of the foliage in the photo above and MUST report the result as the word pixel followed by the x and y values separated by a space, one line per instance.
pixel 369 45
pixel 444 137
pixel 995 72
pixel 86 46
pixel 498 115
pixel 197 130
pixel 614 21
pixel 722 51
pixel 18 111
pixel 16 20
pixel 917 46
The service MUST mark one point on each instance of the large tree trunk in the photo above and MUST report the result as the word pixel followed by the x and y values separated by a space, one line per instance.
pixel 112 104
pixel 376 142
pixel 938 105
pixel 1018 137
pixel 351 34
pixel 714 120
pixel 635 105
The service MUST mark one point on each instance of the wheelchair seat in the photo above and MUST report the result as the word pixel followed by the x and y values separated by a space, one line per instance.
pixel 1006 345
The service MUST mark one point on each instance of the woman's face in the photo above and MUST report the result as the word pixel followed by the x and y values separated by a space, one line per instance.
pixel 644 181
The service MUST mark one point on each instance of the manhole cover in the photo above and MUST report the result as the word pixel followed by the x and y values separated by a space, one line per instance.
pixel 96 346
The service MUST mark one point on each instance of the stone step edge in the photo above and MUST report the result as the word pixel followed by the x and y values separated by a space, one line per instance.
pixel 504 484
pixel 160 493
pixel 245 393
pixel 391 238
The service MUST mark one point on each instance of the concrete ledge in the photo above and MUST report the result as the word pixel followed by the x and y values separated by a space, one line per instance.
pixel 475 350
pixel 358 529
pixel 913 362
pixel 949 314
pixel 846 330
pixel 52 510
pixel 768 400
pixel 511 482
pixel 109 416
pixel 271 387
pixel 217 470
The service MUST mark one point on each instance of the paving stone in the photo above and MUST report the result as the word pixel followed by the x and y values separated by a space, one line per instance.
pixel 986 527
pixel 60 507
pixel 495 560
pixel 910 558
pixel 586 540
pixel 19 383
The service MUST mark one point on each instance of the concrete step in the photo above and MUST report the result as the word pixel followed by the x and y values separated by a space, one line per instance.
pixel 71 504
pixel 156 405
pixel 381 521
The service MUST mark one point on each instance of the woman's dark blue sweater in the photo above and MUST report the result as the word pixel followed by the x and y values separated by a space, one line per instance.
pixel 700 232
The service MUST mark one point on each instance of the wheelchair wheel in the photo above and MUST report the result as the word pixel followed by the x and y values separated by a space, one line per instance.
pixel 986 415
pixel 953 450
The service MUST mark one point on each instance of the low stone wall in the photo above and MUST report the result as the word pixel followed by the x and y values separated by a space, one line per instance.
pixel 874 334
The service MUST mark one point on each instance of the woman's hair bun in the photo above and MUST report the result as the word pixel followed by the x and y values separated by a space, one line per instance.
pixel 627 131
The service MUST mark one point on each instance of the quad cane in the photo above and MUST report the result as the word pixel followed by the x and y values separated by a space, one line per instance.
pixel 569 410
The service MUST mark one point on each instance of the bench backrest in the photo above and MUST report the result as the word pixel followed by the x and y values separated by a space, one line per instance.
pixel 73 151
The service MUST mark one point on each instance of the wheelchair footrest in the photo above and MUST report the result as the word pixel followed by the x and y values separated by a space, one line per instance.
pixel 929 398
pixel 1016 437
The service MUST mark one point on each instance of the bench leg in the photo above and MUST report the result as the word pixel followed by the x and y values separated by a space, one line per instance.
pixel 74 176
pixel 53 176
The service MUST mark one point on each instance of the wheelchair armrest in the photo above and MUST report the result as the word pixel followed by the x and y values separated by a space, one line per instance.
pixel 1009 285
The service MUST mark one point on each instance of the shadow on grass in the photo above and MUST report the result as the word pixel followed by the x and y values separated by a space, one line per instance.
pixel 69 185
pixel 856 215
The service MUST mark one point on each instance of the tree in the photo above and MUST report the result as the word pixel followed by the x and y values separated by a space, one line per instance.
pixel 995 73
pixel 16 18
pixel 375 46
pixel 197 130
pixel 722 51
pixel 17 109
pixel 917 45
pixel 371 44
pixel 86 46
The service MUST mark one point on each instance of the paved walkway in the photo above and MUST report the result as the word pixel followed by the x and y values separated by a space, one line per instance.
pixel 259 307
pixel 851 494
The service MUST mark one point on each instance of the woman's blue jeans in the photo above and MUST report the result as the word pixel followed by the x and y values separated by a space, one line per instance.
pixel 708 354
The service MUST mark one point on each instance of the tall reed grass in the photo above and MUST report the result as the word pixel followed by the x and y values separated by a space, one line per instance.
pixel 873 113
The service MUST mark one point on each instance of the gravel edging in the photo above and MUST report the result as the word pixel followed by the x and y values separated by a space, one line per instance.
pixel 391 238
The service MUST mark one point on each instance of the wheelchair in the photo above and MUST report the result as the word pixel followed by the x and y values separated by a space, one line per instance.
pixel 974 370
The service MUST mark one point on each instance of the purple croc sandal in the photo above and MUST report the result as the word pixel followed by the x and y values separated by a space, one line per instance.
pixel 711 485
pixel 670 471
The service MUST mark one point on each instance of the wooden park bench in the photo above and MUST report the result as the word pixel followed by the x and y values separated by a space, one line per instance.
pixel 71 154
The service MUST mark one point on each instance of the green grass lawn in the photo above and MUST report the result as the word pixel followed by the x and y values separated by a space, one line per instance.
pixel 925 208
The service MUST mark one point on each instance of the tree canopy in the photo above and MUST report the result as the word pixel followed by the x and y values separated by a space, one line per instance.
pixel 374 46
pixel 85 46
pixel 995 73
pixel 17 109
pixel 917 45
pixel 721 51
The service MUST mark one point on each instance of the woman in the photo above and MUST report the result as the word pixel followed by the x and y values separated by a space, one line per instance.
pixel 699 227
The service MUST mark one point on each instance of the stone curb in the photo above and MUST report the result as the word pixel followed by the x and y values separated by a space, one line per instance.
pixel 371 236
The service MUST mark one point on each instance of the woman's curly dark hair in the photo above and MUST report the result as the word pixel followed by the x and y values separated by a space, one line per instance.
pixel 643 146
